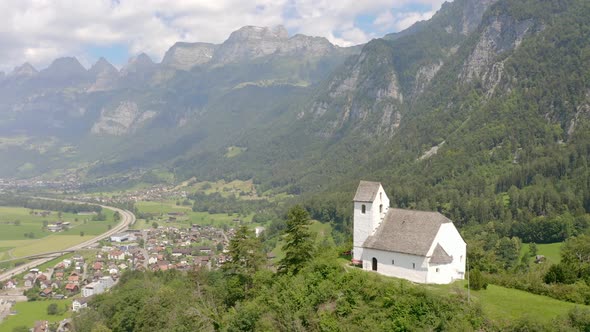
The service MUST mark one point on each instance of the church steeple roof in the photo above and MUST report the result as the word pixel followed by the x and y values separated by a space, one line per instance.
pixel 366 191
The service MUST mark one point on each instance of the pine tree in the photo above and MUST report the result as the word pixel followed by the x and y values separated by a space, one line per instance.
pixel 245 253
pixel 299 244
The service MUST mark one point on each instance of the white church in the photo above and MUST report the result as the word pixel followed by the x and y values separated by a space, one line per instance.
pixel 423 247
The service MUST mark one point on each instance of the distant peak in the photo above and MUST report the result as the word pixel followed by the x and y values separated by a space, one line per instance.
pixel 102 65
pixel 142 58
pixel 26 69
pixel 67 62
pixel 255 32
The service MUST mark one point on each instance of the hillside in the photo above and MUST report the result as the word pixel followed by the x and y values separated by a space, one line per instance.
pixel 480 113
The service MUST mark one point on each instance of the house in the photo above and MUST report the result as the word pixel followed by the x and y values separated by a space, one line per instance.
pixel 117 255
pixel 72 288
pixel 258 230
pixel 80 303
pixel 74 279
pixel 29 281
pixel 205 250
pixel 153 260
pixel 10 284
pixel 106 282
pixel 420 246
pixel 92 289
pixel 97 266
pixel 46 292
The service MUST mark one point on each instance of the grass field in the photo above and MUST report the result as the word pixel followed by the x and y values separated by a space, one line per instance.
pixel 49 243
pixel 29 312
pixel 505 304
pixel 550 251
pixel 15 222
pixel 200 218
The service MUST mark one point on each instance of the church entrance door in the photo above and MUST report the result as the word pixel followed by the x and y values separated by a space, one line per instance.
pixel 374 264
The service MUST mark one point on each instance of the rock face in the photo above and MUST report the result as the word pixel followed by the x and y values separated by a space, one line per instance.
pixel 368 88
pixel 122 120
pixel 137 64
pixel 104 75
pixel 252 42
pixel 473 11
pixel 501 34
pixel 184 56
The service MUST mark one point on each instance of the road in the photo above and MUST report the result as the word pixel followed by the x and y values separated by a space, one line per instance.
pixel 127 218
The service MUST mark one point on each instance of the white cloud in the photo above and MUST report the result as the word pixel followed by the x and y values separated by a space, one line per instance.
pixel 39 31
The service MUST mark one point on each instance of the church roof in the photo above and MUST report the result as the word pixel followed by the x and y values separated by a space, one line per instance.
pixel 406 231
pixel 440 256
pixel 366 191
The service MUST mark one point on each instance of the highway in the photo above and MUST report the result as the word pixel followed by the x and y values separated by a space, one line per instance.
pixel 127 218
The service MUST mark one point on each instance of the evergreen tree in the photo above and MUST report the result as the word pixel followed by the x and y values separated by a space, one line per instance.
pixel 245 253
pixel 299 245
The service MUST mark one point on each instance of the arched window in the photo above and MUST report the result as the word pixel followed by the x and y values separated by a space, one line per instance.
pixel 381 197
pixel 374 264
pixel 363 208
pixel 381 208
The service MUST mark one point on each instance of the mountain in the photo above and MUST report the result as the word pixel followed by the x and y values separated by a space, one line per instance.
pixel 104 75
pixel 481 112
pixel 184 56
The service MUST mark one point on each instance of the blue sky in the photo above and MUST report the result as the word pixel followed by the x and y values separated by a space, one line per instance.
pixel 40 31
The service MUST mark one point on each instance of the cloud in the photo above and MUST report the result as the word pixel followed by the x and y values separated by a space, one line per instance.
pixel 39 31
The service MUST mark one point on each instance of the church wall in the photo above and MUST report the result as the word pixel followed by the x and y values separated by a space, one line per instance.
pixel 366 223
pixel 452 242
pixel 402 264
pixel 444 275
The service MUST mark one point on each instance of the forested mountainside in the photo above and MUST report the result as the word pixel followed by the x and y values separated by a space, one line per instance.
pixel 480 113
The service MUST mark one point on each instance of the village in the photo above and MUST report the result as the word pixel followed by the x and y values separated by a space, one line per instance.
pixel 82 275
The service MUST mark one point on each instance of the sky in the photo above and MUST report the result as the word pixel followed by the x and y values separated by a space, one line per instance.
pixel 38 31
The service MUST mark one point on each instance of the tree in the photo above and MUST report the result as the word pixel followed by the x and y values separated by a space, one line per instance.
pixel 532 249
pixel 81 233
pixel 245 253
pixel 476 280
pixel 155 225
pixel 17 222
pixel 117 216
pixel 52 309
pixel 299 245
pixel 45 223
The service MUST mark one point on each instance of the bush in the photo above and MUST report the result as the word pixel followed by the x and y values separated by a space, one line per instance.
pixel 477 280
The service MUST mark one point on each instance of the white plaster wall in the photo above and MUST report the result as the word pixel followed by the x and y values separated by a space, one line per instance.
pixel 365 224
pixel 443 276
pixel 452 242
pixel 402 267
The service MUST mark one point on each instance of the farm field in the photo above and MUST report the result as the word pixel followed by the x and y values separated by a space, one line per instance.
pixel 29 312
pixel 549 250
pixel 49 243
pixel 22 233
pixel 161 210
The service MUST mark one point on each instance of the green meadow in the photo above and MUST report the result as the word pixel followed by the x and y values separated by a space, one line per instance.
pixel 17 224
pixel 506 304
pixel 551 251
pixel 29 312
pixel 161 210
